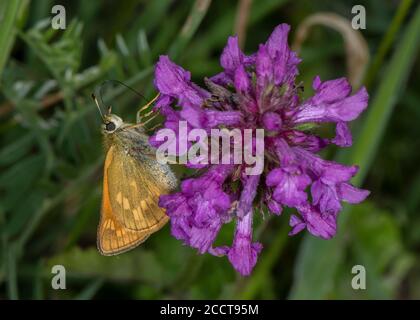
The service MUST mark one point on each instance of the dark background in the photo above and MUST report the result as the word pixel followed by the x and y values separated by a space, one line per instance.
pixel 51 152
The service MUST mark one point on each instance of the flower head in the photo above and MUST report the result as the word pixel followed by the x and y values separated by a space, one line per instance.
pixel 259 92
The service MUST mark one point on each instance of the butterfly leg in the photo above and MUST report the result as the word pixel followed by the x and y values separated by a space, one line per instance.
pixel 142 124
pixel 154 127
pixel 150 119
pixel 139 116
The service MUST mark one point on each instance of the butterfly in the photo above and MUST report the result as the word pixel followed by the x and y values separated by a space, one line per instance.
pixel 133 181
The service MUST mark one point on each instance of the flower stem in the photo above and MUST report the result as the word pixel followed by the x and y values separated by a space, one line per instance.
pixel 242 16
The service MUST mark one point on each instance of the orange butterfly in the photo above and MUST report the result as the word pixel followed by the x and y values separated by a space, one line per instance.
pixel 133 182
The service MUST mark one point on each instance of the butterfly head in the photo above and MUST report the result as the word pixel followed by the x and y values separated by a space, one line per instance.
pixel 111 123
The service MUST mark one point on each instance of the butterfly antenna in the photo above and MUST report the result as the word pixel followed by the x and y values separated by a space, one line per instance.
pixel 97 104
pixel 121 83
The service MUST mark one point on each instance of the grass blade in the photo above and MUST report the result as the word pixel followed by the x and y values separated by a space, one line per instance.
pixel 318 259
pixel 9 12
pixel 90 290
pixel 12 285
pixel 197 14
pixel 387 41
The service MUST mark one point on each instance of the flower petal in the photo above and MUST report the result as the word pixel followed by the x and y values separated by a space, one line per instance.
pixel 203 238
pixel 323 226
pixel 172 80
pixel 332 103
pixel 290 184
pixel 284 153
pixel 343 136
pixel 326 197
pixel 241 79
pixel 272 121
pixel 232 56
pixel 243 254
pixel 274 207
pixel 307 141
pixel 297 225
pixel 226 118
pixel 352 194
pixel 264 68
pixel 199 210
pixel 284 60
pixel 248 194
pixel 330 90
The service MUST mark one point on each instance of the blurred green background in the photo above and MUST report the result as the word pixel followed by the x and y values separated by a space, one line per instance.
pixel 51 153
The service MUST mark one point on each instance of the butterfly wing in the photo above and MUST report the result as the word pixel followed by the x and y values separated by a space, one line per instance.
pixel 130 211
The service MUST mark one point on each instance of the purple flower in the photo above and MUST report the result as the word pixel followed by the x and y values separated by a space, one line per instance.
pixel 290 184
pixel 259 92
pixel 199 210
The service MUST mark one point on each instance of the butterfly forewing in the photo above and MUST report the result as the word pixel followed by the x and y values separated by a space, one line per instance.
pixel 113 238
pixel 135 192
pixel 133 182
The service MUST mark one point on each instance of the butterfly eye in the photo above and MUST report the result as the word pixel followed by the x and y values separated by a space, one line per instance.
pixel 110 126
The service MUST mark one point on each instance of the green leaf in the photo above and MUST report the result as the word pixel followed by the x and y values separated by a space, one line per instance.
pixel 137 265
pixel 197 14
pixel 376 239
pixel 16 150
pixel 377 246
pixel 22 211
pixel 90 290
pixel 21 176
pixel 144 49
